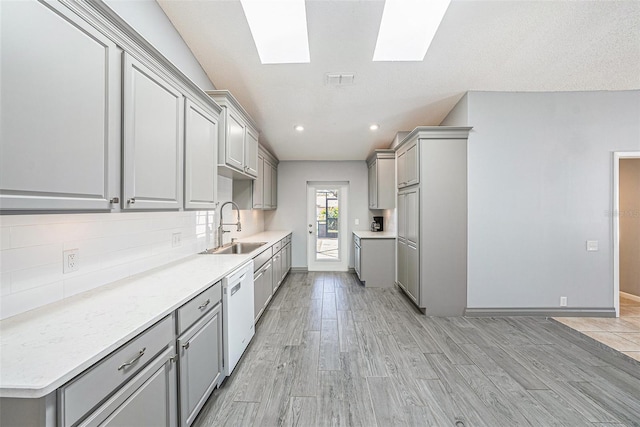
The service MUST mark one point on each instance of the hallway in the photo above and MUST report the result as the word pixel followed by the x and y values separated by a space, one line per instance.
pixel 331 352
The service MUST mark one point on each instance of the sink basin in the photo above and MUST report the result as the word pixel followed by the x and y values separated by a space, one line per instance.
pixel 238 248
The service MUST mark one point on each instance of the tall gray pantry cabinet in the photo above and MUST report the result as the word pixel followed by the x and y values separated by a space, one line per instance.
pixel 431 251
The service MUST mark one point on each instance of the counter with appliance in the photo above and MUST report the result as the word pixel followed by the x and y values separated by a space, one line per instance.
pixel 374 257
pixel 44 349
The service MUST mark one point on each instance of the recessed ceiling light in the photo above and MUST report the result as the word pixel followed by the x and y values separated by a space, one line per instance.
pixel 407 29
pixel 299 128
pixel 279 30
pixel 374 127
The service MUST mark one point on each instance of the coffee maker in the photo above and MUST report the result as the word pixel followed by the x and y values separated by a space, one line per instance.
pixel 377 224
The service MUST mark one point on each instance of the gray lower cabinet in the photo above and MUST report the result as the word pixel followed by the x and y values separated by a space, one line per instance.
pixel 263 288
pixel 277 271
pixel 149 399
pixel 374 261
pixel 60 132
pixel 114 383
pixel 270 273
pixel 200 363
pixel 153 121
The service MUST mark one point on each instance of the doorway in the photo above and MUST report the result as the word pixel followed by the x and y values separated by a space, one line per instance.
pixel 327 248
pixel 626 227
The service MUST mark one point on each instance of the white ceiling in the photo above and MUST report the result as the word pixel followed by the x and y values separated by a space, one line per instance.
pixel 480 45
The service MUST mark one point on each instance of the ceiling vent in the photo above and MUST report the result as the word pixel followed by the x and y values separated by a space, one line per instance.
pixel 339 79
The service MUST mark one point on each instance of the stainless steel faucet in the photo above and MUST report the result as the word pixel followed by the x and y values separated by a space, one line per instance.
pixel 221 229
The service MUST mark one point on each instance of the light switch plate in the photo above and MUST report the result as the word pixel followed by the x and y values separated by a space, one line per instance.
pixel 592 245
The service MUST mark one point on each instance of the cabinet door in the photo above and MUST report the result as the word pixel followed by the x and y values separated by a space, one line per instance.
pixel 153 139
pixel 274 186
pixel 277 274
pixel 412 171
pixel 251 153
pixel 413 272
pixel 288 257
pixel 401 171
pixel 200 358
pixel 60 103
pixel 201 158
pixel 263 289
pixel 385 184
pixel 149 399
pixel 411 216
pixel 356 260
pixel 373 184
pixel 234 141
pixel 402 216
pixel 258 185
pixel 401 266
pixel 266 185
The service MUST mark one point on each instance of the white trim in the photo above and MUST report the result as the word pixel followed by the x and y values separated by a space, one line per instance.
pixel 616 222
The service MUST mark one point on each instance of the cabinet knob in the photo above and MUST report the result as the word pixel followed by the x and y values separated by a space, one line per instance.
pixel 131 201
pixel 114 200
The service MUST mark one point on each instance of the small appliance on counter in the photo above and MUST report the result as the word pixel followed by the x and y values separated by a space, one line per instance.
pixel 377 224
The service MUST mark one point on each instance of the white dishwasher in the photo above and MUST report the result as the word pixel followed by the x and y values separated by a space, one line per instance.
pixel 237 314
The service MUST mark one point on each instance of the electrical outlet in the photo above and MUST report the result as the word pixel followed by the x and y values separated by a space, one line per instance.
pixel 357 221
pixel 70 260
pixel 563 301
pixel 176 240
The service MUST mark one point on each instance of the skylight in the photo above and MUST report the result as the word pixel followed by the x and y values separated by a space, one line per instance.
pixel 279 30
pixel 407 29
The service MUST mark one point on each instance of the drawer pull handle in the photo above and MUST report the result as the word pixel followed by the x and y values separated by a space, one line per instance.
pixel 206 303
pixel 186 346
pixel 132 361
pixel 131 201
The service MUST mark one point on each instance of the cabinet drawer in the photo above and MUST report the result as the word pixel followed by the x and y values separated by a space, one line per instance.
pixel 356 240
pixel 198 306
pixel 277 246
pixel 261 259
pixel 87 390
pixel 288 238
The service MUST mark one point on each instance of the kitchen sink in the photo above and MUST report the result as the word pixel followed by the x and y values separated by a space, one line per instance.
pixel 237 248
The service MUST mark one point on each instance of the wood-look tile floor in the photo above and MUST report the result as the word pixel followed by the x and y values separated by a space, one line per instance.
pixel 621 334
pixel 330 352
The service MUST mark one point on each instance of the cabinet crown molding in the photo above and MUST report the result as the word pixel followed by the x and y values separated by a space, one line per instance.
pixel 226 98
pixel 436 132
pixel 381 153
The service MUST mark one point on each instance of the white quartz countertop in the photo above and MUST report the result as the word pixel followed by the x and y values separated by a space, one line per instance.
pixel 42 349
pixel 375 234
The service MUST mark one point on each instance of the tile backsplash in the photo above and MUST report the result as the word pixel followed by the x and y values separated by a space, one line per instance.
pixel 111 246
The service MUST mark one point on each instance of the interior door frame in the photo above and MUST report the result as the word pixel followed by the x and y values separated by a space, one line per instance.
pixel 617 156
pixel 343 247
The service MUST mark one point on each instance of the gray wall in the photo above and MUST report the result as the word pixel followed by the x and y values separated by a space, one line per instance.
pixel 148 19
pixel 630 226
pixel 540 185
pixel 292 200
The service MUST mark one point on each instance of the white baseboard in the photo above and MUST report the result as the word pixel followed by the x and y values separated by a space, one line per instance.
pixel 630 296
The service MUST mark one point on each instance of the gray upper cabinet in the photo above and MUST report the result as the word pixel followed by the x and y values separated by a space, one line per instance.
pixel 57 110
pixel 234 137
pixel 201 157
pixel 260 193
pixel 407 164
pixel 382 179
pixel 153 120
pixel 251 153
pixel 238 142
